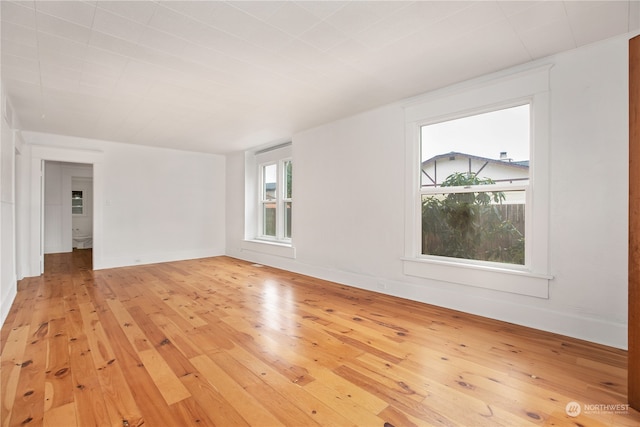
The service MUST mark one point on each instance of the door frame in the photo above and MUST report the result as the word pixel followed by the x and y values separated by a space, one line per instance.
pixel 633 381
pixel 40 154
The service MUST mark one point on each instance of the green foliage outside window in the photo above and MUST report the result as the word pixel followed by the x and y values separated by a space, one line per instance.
pixel 472 225
pixel 288 175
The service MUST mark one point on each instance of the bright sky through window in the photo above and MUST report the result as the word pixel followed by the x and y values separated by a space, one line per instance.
pixel 270 173
pixel 484 135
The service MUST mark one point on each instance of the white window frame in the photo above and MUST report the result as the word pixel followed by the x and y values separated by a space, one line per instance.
pixel 280 200
pixel 482 95
pixel 498 187
pixel 254 239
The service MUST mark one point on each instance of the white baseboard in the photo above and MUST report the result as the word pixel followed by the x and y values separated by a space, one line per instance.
pixel 101 263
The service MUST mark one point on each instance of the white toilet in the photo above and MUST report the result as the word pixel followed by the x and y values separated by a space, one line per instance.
pixel 82 241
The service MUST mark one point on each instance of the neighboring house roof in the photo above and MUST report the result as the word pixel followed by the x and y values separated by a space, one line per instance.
pixel 522 164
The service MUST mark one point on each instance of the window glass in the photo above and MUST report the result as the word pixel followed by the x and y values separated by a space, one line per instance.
pixel 287 179
pixel 269 179
pixel 484 226
pixel 494 145
pixel 457 155
pixel 287 220
pixel 269 217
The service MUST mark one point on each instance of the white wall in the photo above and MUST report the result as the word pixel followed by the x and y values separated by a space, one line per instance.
pixel 150 204
pixel 22 184
pixel 349 205
pixel 53 209
pixel 8 277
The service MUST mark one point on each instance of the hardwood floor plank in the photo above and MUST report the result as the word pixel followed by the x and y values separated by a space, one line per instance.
pixel 342 403
pixel 30 396
pixel 394 417
pixel 22 308
pixel 168 352
pixel 180 304
pixel 280 406
pixel 146 396
pixel 10 367
pixel 223 342
pixel 172 390
pixel 208 338
pixel 269 354
pixel 86 391
pixel 212 400
pixel 57 369
pixel 133 332
pixel 118 399
pixel 459 383
pixel 192 413
pixel 398 397
pixel 181 340
pixel 61 416
pixel 238 397
pixel 322 375
pixel 101 350
pixel 321 413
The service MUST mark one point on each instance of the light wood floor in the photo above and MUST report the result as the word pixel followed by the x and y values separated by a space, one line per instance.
pixel 223 342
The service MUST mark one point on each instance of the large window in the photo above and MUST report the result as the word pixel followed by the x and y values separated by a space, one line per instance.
pixel 275 200
pixel 477 162
pixel 474 178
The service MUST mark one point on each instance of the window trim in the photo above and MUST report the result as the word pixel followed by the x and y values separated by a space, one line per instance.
pixel 284 199
pixel 482 188
pixel 263 200
pixel 489 93
pixel 280 201
pixel 253 241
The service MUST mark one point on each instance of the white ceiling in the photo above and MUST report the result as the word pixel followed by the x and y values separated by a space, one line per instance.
pixel 217 76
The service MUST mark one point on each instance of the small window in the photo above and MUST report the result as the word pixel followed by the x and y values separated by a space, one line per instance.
pixel 77 203
pixel 275 201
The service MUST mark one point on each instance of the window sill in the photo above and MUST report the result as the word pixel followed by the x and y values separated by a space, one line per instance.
pixel 520 282
pixel 285 250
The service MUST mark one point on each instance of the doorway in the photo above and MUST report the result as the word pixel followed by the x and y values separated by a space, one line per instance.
pixel 67 214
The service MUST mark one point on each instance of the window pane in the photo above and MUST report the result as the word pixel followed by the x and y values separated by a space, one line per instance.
pixel 287 220
pixel 492 146
pixel 269 219
pixel 269 175
pixel 287 180
pixel 76 210
pixel 486 226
